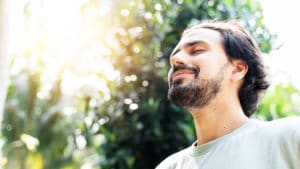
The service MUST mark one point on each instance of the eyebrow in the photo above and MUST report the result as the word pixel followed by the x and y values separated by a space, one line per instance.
pixel 188 44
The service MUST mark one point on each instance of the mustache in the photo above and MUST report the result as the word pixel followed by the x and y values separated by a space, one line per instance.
pixel 195 69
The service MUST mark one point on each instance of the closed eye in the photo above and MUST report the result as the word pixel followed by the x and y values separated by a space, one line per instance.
pixel 197 51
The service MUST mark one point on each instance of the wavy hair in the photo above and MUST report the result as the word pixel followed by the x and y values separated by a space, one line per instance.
pixel 238 44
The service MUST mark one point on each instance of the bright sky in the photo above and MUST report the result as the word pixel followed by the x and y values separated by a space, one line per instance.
pixel 282 18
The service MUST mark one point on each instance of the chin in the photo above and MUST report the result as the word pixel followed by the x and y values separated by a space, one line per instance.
pixel 181 82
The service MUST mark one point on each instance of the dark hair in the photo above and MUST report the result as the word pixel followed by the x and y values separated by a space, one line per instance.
pixel 238 44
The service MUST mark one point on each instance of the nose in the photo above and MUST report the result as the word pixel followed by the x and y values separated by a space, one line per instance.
pixel 178 59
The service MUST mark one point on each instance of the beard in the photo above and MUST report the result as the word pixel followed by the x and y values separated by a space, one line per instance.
pixel 197 93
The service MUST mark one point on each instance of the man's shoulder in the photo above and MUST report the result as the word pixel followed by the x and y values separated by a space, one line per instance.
pixel 288 128
pixel 173 160
pixel 282 125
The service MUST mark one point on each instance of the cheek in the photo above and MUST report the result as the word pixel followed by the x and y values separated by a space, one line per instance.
pixel 206 70
pixel 210 67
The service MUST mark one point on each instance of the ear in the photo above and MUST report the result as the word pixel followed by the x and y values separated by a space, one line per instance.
pixel 239 69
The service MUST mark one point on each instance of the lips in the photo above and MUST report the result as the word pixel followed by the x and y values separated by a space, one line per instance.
pixel 181 73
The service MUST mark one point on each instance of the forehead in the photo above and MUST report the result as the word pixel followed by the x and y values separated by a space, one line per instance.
pixel 208 36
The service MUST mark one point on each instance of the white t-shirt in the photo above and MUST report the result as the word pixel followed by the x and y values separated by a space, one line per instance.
pixel 255 145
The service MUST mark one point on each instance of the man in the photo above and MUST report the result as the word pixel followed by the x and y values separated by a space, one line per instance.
pixel 218 76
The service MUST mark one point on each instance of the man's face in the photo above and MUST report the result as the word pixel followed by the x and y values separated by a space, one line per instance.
pixel 198 67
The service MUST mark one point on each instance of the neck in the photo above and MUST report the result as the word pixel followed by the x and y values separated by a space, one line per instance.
pixel 217 119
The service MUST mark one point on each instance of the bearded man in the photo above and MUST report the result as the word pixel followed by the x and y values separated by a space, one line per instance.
pixel 218 76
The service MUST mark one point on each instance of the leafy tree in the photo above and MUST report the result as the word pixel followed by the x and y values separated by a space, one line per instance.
pixel 158 126
pixel 280 101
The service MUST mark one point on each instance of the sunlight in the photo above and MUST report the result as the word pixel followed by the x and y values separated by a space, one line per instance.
pixel 59 40
pixel 284 58
pixel 30 141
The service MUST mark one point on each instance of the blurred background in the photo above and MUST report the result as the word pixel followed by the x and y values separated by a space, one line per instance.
pixel 87 80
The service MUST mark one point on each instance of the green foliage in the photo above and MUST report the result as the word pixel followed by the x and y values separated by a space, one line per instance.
pixel 135 126
pixel 280 101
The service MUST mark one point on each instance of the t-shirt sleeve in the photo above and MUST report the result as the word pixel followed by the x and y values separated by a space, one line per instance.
pixel 296 138
pixel 290 141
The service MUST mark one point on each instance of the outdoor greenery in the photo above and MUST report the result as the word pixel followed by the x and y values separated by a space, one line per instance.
pixel 102 104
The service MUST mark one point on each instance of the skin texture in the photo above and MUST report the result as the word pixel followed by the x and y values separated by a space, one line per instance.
pixel 202 49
